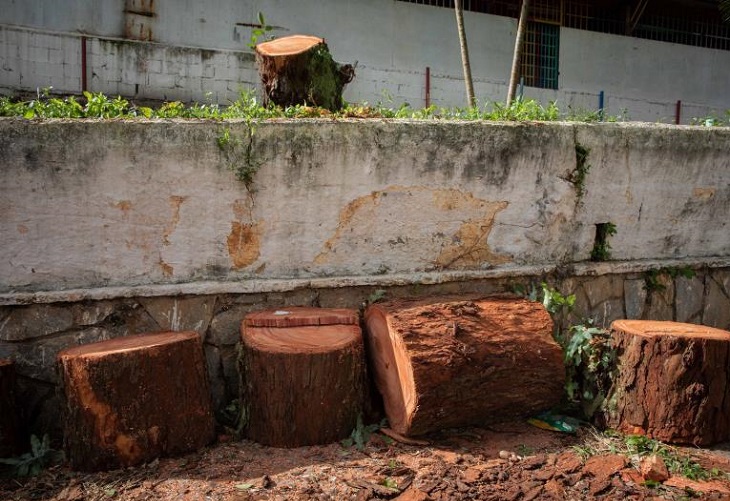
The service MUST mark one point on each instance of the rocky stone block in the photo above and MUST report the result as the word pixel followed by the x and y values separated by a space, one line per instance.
pixel 635 298
pixel 716 311
pixel 688 298
pixel 181 313
pixel 29 322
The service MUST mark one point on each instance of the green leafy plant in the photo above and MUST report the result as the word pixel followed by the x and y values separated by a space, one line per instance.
pixel 361 434
pixel 601 248
pixel 578 176
pixel 376 296
pixel 638 447
pixel 653 280
pixel 590 360
pixel 239 154
pixel 259 31
pixel 554 301
pixel 31 463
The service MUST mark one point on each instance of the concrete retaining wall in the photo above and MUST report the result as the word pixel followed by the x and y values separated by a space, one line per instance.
pixel 112 228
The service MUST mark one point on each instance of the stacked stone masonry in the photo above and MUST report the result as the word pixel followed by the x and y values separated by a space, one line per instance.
pixel 32 335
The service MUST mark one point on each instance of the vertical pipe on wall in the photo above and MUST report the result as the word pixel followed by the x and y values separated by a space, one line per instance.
pixel 84 87
pixel 601 97
pixel 428 86
pixel 678 112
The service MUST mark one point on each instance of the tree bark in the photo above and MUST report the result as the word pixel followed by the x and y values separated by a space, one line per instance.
pixel 299 70
pixel 130 400
pixel 9 430
pixel 303 374
pixel 519 42
pixel 672 381
pixel 464 53
pixel 450 363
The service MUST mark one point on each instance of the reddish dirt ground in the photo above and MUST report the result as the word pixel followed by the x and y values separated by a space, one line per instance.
pixel 470 463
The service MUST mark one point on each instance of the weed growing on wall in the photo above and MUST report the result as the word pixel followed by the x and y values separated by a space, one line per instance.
pixel 239 154
pixel 578 176
pixel 601 247
pixel 652 278
pixel 588 352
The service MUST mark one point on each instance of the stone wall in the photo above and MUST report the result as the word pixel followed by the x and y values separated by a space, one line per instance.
pixel 32 335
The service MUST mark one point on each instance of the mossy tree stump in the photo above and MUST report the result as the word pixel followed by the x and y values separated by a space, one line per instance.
pixel 9 429
pixel 303 372
pixel 130 400
pixel 299 69
pixel 672 381
pixel 445 363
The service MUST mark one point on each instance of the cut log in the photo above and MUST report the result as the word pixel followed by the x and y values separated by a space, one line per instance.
pixel 130 400
pixel 303 372
pixel 671 382
pixel 299 69
pixel 447 363
pixel 10 443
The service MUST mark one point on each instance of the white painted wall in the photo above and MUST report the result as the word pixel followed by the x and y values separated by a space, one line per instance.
pixel 392 42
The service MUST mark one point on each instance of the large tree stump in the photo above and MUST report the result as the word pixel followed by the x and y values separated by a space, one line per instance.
pixel 445 363
pixel 672 381
pixel 303 372
pixel 9 430
pixel 130 400
pixel 299 69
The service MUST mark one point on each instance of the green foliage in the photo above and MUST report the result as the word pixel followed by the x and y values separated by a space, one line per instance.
pixel 578 176
pixel 259 31
pixel 652 278
pixel 590 360
pixel 239 154
pixel 637 447
pixel 361 434
pixel 376 296
pixel 232 418
pixel 555 302
pixel 601 248
pixel 247 107
pixel 713 120
pixel 32 463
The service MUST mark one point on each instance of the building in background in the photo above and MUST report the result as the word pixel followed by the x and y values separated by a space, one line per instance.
pixel 655 60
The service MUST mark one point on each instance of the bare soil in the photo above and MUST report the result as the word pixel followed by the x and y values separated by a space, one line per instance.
pixel 470 463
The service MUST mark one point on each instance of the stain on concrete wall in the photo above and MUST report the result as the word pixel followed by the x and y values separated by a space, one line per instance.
pixel 438 228
pixel 244 240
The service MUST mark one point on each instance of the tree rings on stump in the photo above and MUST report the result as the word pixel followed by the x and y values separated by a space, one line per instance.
pixel 671 382
pixel 302 372
pixel 299 70
pixel 9 429
pixel 442 363
pixel 130 400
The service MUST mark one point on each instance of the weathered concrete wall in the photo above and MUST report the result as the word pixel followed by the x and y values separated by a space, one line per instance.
pixel 88 204
pixel 113 228
pixel 201 48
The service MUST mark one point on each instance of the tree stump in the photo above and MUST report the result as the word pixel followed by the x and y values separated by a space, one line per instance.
pixel 672 381
pixel 303 372
pixel 130 400
pixel 450 363
pixel 9 430
pixel 299 69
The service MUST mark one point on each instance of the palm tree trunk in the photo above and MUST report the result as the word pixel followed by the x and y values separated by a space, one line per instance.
pixel 519 42
pixel 464 53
